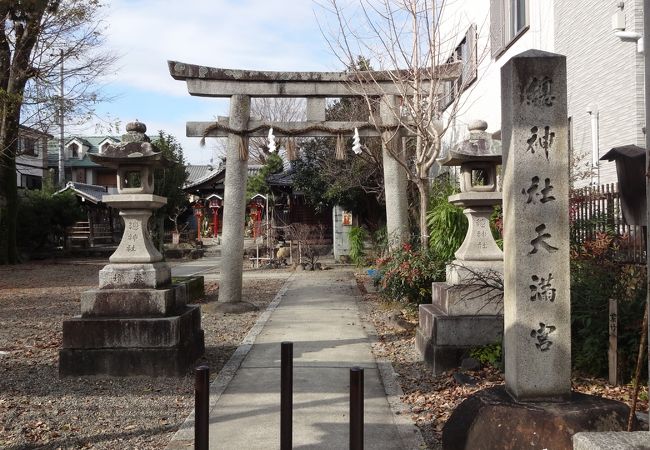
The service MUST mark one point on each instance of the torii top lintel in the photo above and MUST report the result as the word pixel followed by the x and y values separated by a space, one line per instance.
pixel 217 82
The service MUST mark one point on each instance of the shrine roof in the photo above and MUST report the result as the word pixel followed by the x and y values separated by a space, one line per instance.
pixel 90 192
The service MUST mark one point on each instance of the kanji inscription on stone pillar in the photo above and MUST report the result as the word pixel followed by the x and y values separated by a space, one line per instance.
pixel 537 333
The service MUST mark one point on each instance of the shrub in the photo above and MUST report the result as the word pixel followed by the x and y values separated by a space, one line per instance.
pixel 357 237
pixel 446 222
pixel 44 217
pixel 490 354
pixel 407 274
pixel 595 278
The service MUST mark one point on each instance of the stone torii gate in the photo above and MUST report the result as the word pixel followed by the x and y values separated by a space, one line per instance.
pixel 316 87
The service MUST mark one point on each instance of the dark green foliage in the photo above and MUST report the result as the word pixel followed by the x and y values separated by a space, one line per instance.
pixel 357 237
pixel 169 181
pixel 324 181
pixel 43 217
pixel 593 283
pixel 447 223
pixel 597 277
pixel 406 274
pixel 491 354
pixel 257 184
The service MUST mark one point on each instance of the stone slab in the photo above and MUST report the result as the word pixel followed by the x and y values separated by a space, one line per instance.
pixel 492 419
pixel 466 331
pixel 438 359
pixel 443 340
pixel 123 362
pixel 194 286
pixel 467 300
pixel 470 272
pixel 115 333
pixel 135 276
pixel 131 302
pixel 622 440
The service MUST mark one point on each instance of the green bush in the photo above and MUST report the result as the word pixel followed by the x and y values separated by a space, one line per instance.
pixel 595 278
pixel 44 217
pixel 491 354
pixel 357 237
pixel 446 222
pixel 406 274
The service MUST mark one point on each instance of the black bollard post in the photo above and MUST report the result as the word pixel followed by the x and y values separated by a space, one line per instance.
pixel 201 407
pixel 356 408
pixel 286 396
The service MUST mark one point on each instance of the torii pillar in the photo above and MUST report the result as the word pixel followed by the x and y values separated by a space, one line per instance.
pixel 240 86
pixel 234 209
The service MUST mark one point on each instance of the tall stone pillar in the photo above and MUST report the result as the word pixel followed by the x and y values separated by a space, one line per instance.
pixel 537 307
pixel 234 206
pixel 536 404
pixel 395 181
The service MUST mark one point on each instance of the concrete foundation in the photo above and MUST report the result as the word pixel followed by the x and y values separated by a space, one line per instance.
pixel 492 419
pixel 460 318
pixel 622 440
pixel 165 346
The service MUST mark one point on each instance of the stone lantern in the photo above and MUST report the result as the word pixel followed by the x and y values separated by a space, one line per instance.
pixel 478 157
pixel 466 310
pixel 137 322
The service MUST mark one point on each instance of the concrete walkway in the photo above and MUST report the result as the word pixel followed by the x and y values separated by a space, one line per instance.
pixel 318 312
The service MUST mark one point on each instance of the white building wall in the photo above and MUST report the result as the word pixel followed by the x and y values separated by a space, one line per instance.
pixel 604 72
pixel 483 98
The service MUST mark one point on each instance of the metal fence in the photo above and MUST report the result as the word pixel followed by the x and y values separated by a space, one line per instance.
pixel 597 209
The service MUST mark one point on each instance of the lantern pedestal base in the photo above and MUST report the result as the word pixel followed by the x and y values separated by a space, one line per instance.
pixel 135 276
pixel 115 346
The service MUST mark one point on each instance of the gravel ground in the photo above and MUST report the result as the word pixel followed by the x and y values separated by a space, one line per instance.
pixel 432 399
pixel 39 410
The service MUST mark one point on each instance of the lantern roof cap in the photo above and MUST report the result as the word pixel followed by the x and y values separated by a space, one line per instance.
pixel 134 149
pixel 478 147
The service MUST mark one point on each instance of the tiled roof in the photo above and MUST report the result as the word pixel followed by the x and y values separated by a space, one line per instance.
pixel 90 192
pixel 284 178
pixel 92 142
pixel 199 174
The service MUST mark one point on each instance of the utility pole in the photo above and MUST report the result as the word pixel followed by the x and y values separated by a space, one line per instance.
pixel 646 60
pixel 61 125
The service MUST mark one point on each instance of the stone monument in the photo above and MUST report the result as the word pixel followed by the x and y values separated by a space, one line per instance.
pixel 536 408
pixel 466 310
pixel 137 322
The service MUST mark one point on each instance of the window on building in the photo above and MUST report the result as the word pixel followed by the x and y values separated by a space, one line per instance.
pixel 27 146
pixel 74 150
pixel 31 182
pixel 508 20
pixel 465 52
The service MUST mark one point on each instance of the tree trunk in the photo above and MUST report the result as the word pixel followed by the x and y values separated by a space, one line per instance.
pixel 8 189
pixel 423 194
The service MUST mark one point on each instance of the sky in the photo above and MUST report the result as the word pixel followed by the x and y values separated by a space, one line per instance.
pixel 238 34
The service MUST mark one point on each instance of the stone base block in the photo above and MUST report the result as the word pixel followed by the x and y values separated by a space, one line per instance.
pixel 468 272
pixel 443 339
pixel 467 300
pixel 135 276
pixel 622 440
pixel 492 419
pixel 193 287
pixel 164 346
pixel 132 302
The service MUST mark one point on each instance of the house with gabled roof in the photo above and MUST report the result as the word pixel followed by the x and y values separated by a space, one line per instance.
pixel 78 166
